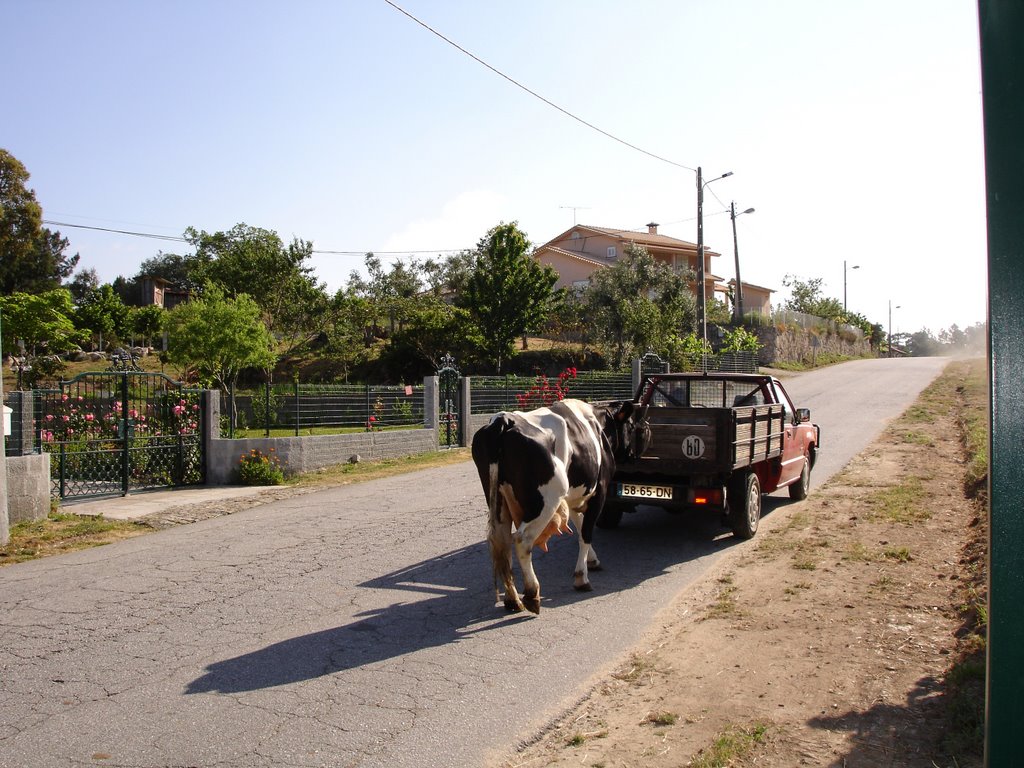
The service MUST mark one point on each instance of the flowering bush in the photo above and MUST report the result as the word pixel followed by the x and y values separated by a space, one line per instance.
pixel 544 392
pixel 256 468
pixel 76 418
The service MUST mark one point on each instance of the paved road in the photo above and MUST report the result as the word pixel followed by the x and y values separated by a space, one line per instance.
pixel 350 627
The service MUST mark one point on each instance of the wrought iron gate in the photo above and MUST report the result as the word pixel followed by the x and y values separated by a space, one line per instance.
pixel 112 432
pixel 449 426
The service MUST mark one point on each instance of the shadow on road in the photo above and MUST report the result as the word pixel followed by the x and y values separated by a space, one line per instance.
pixel 454 599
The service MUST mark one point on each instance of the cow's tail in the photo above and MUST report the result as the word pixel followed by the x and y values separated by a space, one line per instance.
pixel 498 533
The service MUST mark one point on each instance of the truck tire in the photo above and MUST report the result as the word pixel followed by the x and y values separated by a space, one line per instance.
pixel 745 505
pixel 611 515
pixel 798 490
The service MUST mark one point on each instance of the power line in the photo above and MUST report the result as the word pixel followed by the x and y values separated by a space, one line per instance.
pixel 533 93
pixel 172 238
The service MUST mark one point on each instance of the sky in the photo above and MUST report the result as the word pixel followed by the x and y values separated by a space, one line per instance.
pixel 853 129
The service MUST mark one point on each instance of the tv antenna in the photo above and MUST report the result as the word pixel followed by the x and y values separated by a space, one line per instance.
pixel 574 209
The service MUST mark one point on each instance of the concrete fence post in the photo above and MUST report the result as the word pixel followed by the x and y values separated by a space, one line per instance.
pixel 5 527
pixel 465 412
pixel 21 441
pixel 431 402
pixel 210 428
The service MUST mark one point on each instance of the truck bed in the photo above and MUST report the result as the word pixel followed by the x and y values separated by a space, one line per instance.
pixel 706 441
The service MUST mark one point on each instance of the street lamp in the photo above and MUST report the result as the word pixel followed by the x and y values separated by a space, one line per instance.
pixel 702 318
pixel 855 266
pixel 890 325
pixel 738 302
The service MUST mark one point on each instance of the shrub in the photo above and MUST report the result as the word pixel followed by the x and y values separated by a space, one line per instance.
pixel 256 468
pixel 544 392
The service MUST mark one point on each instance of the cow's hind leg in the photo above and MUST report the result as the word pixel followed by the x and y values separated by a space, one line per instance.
pixel 499 536
pixel 587 559
pixel 524 540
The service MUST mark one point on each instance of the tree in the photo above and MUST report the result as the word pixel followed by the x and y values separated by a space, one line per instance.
pixel 84 281
pixel 256 262
pixel 101 312
pixel 508 294
pixel 640 304
pixel 216 336
pixel 41 321
pixel 147 321
pixel 806 296
pixel 32 257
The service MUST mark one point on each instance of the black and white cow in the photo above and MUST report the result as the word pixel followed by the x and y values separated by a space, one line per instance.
pixel 539 470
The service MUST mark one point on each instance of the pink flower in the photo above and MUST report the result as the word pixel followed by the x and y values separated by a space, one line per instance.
pixel 63 398
pixel 89 417
pixel 49 417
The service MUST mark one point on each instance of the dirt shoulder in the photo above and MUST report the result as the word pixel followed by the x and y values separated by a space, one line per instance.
pixel 840 636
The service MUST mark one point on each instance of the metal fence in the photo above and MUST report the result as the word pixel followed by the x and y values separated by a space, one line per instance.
pixel 490 394
pixel 112 432
pixel 788 317
pixel 322 408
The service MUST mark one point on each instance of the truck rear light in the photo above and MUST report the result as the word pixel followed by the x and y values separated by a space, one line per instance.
pixel 706 497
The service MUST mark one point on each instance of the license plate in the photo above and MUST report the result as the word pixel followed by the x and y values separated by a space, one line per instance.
pixel 633 491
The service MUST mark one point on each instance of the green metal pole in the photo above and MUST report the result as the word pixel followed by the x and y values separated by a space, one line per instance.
pixel 1002 68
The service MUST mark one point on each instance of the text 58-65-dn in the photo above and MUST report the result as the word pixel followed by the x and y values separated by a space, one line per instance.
pixel 633 491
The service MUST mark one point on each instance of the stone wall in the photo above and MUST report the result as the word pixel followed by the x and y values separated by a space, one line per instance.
pixel 28 487
pixel 306 454
pixel 795 344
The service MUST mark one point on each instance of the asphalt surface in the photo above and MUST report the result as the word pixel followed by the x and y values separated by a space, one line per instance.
pixel 354 626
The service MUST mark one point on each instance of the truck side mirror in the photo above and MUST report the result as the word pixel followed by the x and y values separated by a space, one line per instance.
pixel 803 414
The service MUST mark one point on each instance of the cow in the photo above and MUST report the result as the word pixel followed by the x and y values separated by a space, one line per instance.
pixel 540 469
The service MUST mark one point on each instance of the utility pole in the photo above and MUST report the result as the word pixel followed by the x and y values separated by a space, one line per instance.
pixel 701 310
pixel 738 300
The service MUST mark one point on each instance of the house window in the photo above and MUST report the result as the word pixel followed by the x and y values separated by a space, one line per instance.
pixel 611 251
pixel 575 235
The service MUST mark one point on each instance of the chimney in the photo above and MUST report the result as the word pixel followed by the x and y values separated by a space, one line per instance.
pixel 652 228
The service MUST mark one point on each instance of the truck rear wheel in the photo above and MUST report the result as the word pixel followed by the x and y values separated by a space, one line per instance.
pixel 745 505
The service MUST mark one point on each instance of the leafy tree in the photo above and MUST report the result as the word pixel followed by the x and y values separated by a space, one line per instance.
pixel 922 344
pixel 639 304
pixel 806 296
pixel 216 336
pixel 102 313
pixel 148 321
pixel 32 257
pixel 434 330
pixel 256 262
pixel 42 321
pixel 84 281
pixel 448 276
pixel 508 294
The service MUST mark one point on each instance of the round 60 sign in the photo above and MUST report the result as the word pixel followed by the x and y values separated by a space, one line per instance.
pixel 693 447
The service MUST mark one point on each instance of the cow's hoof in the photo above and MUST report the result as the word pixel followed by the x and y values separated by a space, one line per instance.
pixel 513 605
pixel 584 587
pixel 594 566
pixel 532 604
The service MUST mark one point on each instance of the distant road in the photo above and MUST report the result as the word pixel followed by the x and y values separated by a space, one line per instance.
pixel 354 626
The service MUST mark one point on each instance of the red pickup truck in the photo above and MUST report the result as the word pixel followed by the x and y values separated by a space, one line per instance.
pixel 718 441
